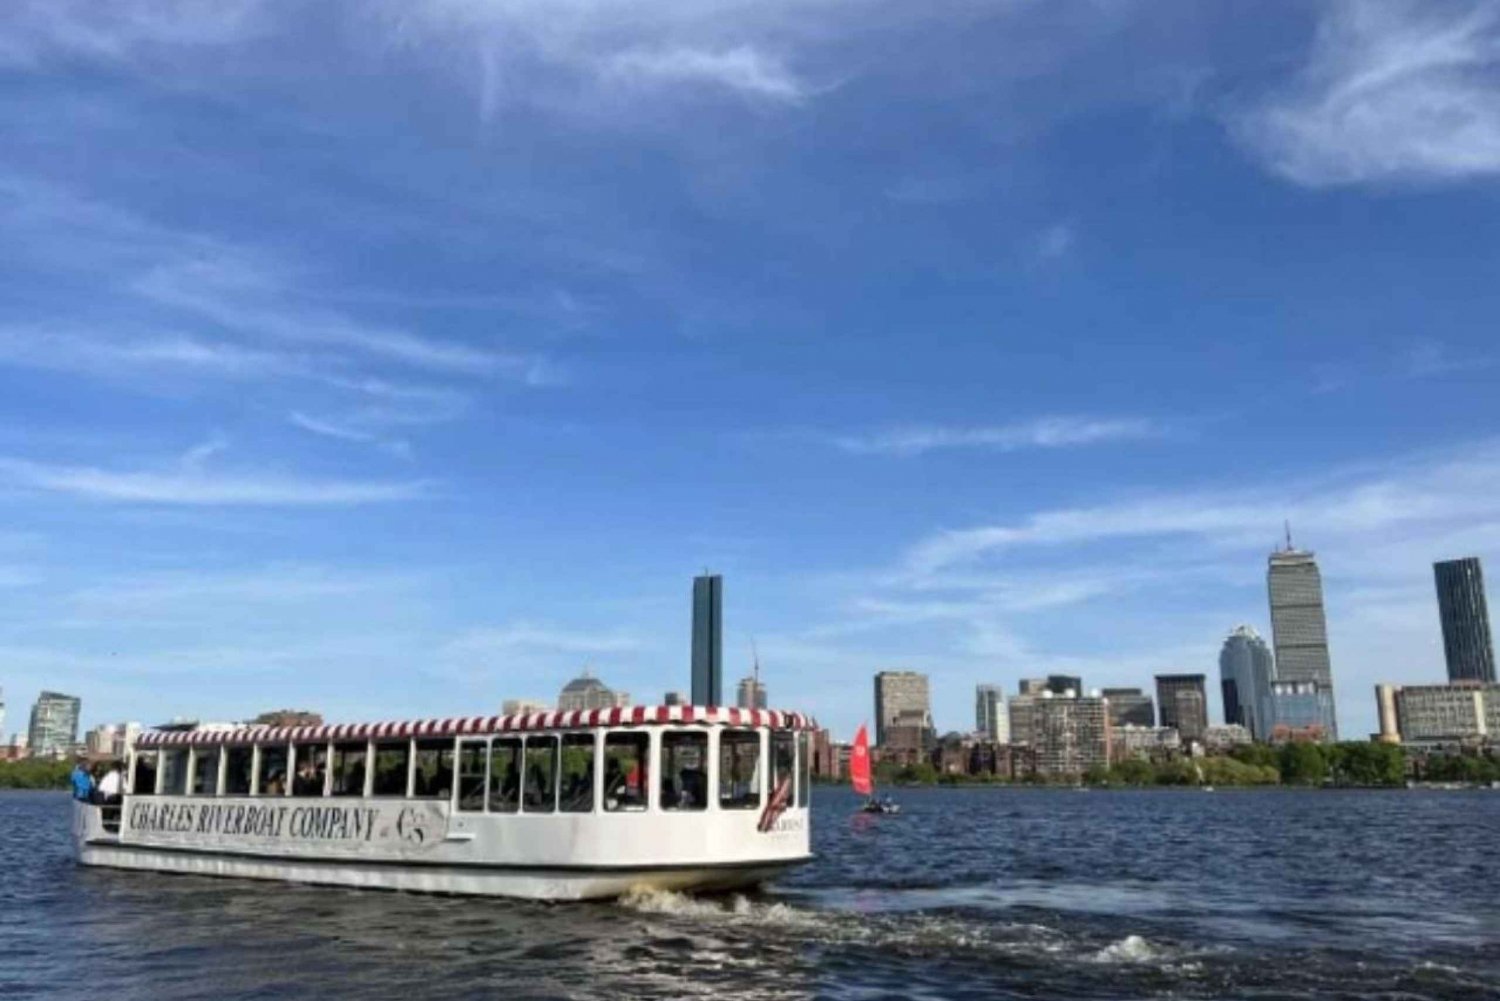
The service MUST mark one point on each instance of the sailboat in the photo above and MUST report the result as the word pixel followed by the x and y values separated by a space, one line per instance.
pixel 859 776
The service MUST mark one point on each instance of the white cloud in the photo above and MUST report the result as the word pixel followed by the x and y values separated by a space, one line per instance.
pixel 1054 242
pixel 349 432
pixel 1394 90
pixel 742 69
pixel 186 486
pixel 116 30
pixel 1045 432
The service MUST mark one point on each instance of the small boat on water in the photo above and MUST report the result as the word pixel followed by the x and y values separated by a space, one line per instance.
pixel 545 805
pixel 859 777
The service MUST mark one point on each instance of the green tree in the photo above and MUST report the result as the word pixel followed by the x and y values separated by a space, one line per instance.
pixel 1303 764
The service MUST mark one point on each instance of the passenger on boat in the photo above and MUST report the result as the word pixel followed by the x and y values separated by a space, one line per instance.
pixel 83 782
pixel 108 791
pixel 308 781
pixel 275 784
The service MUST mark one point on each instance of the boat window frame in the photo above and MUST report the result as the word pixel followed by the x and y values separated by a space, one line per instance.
pixel 285 747
pixel 482 744
pixel 390 742
pixel 578 737
pixel 518 745
pixel 224 773
pixel 675 736
pixel 780 740
pixel 193 764
pixel 155 758
pixel 761 765
pixel 295 763
pixel 333 755
pixel 526 768
pixel 645 761
pixel 441 745
pixel 161 782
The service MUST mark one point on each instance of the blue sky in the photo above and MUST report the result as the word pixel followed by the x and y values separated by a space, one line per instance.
pixel 397 358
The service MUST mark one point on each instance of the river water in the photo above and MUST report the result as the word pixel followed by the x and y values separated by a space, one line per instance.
pixel 971 893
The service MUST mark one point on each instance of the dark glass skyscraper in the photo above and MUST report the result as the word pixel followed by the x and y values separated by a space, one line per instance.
pixel 1466 620
pixel 708 640
pixel 1183 703
pixel 1245 674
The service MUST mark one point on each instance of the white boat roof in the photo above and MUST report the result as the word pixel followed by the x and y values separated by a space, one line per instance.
pixel 464 726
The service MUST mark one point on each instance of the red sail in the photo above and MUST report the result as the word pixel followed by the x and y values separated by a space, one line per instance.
pixel 859 763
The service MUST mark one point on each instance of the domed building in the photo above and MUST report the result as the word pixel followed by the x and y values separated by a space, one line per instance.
pixel 588 692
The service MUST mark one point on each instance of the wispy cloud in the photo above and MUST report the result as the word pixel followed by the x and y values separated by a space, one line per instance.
pixel 193 487
pixel 1054 242
pixel 1394 90
pixel 38 28
pixel 349 432
pixel 742 69
pixel 1046 432
pixel 525 636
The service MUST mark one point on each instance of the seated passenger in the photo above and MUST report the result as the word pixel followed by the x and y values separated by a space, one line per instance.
pixel 308 782
pixel 276 784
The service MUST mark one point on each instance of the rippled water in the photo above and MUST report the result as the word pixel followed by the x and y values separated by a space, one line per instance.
pixel 986 893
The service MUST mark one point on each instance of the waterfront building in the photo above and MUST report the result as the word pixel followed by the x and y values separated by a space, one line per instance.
pixel 1299 628
pixel 1183 700
pixel 991 720
pixel 1154 743
pixel 1441 717
pixel 1066 685
pixel 588 692
pixel 674 699
pixel 515 707
pixel 898 692
pixel 1226 737
pixel 289 717
pixel 1129 707
pixel 825 755
pixel 909 737
pixel 100 741
pixel 1297 711
pixel 1246 670
pixel 54 725
pixel 1465 616
pixel 2 711
pixel 1072 735
pixel 1022 714
pixel 1033 686
pixel 708 640
pixel 751 693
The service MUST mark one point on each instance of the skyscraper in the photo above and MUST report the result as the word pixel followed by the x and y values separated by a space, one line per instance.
pixel 1033 686
pixel 1246 671
pixel 1070 685
pixel 1466 620
pixel 898 692
pixel 1184 703
pixel 1071 735
pixel 1299 629
pixel 708 640
pixel 751 693
pixel 991 719
pixel 54 724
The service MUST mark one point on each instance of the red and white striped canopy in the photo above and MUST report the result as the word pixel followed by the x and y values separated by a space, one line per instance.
pixel 456 726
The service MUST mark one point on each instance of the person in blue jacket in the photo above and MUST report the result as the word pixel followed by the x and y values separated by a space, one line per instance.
pixel 83 782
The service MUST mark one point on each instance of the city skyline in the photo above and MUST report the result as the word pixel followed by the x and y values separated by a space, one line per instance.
pixel 402 364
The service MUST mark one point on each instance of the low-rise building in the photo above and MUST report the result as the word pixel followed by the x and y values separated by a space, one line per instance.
pixel 516 707
pixel 1225 737
pixel 1435 717
pixel 1152 743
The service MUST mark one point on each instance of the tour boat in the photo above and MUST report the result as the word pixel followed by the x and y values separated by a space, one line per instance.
pixel 544 805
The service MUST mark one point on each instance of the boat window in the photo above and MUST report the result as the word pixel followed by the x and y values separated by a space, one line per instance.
pixel 206 772
pixel 804 771
pixel 271 777
pixel 174 768
pixel 625 756
pixel 505 776
pixel 684 770
pixel 471 757
pixel 391 766
pixel 312 769
pixel 540 790
pixel 783 762
pixel 739 769
pixel 237 766
pixel 349 769
pixel 144 783
pixel 577 780
pixel 433 778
